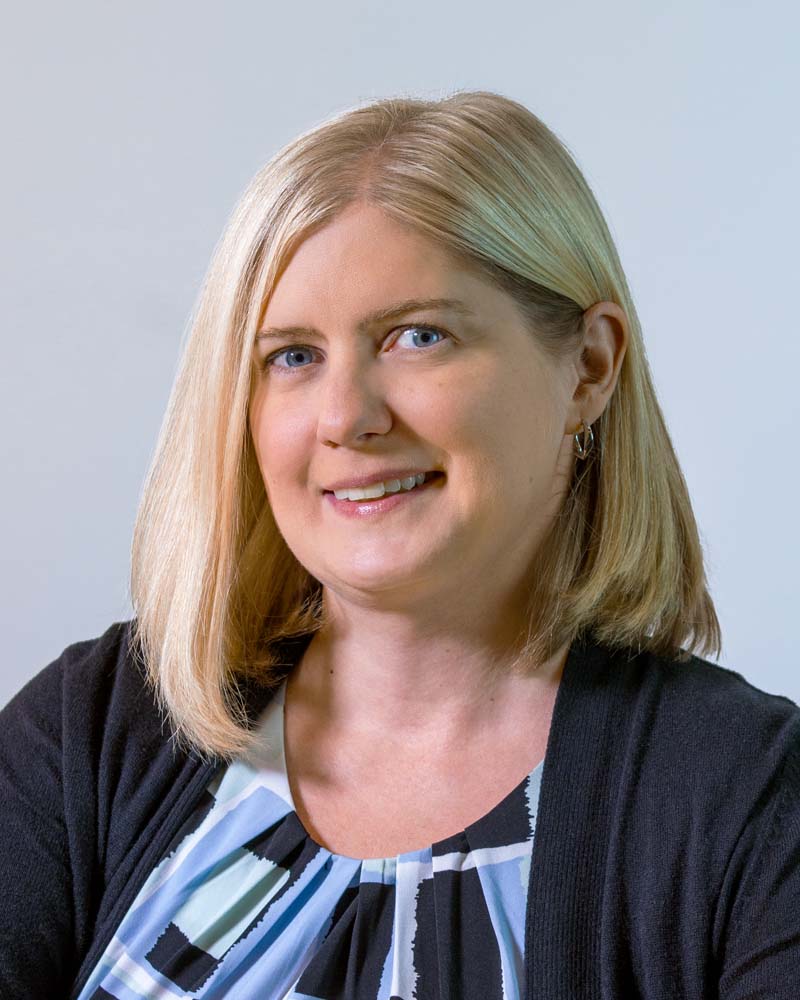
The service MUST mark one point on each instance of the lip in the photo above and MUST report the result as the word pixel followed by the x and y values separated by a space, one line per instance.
pixel 379 476
pixel 371 508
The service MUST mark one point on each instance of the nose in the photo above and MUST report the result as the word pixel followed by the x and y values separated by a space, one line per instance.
pixel 351 403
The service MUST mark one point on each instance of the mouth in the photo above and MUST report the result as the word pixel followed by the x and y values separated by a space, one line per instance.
pixel 371 507
pixel 429 477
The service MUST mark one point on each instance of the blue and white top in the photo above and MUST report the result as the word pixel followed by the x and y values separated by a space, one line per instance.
pixel 245 905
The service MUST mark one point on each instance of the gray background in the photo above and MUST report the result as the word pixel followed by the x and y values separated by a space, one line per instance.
pixel 132 129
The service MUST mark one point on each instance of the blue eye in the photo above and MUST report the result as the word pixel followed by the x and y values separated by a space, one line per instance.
pixel 289 351
pixel 295 349
pixel 425 330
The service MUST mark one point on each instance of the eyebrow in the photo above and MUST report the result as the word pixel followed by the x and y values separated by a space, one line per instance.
pixel 391 312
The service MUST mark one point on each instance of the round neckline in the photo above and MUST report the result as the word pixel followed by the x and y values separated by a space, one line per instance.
pixel 280 700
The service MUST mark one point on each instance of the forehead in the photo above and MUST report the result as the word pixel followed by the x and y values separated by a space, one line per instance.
pixel 363 261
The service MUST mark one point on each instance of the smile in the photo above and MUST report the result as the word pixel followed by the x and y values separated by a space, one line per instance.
pixel 379 497
pixel 375 490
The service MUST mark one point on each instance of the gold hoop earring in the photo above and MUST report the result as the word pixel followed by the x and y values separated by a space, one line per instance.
pixel 582 448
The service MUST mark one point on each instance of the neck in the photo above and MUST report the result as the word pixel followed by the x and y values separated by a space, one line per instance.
pixel 434 691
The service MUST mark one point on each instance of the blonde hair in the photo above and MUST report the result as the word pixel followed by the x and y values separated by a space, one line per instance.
pixel 214 586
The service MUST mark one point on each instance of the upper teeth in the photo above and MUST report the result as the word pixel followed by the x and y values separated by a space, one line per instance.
pixel 375 490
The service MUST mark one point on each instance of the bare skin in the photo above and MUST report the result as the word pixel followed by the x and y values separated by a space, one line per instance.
pixel 379 796
pixel 401 725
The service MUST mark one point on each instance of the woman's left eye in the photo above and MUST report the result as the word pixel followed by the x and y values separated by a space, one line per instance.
pixel 425 330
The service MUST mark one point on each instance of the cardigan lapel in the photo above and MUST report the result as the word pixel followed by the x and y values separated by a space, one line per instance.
pixel 576 799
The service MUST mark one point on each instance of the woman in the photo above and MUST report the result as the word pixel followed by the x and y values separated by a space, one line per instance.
pixel 412 704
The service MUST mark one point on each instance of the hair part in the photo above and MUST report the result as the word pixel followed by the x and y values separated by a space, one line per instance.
pixel 216 590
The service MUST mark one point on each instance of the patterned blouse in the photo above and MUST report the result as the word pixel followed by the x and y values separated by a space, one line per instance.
pixel 245 905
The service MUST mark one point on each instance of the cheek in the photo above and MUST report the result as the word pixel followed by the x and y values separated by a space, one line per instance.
pixel 281 441
pixel 509 437
pixel 491 419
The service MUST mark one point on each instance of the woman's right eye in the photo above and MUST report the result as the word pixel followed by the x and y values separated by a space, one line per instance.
pixel 294 349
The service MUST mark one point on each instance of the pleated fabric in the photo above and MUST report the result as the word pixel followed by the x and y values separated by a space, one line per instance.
pixel 245 905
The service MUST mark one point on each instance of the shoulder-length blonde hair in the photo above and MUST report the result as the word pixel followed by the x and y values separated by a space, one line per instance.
pixel 214 586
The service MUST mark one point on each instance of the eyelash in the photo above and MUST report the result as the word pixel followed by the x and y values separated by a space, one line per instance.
pixel 267 363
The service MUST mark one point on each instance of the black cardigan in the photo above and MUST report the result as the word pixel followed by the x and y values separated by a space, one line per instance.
pixel 666 859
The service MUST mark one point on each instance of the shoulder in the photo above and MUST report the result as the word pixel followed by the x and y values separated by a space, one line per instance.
pixel 92 686
pixel 87 733
pixel 86 666
pixel 702 739
pixel 678 709
pixel 91 784
pixel 89 726
pixel 711 709
pixel 733 801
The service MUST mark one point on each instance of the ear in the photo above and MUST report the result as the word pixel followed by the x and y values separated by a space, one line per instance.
pixel 602 348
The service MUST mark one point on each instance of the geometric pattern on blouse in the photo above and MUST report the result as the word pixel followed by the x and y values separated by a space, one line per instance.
pixel 245 905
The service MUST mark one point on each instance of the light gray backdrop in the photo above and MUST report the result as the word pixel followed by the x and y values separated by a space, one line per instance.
pixel 131 130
